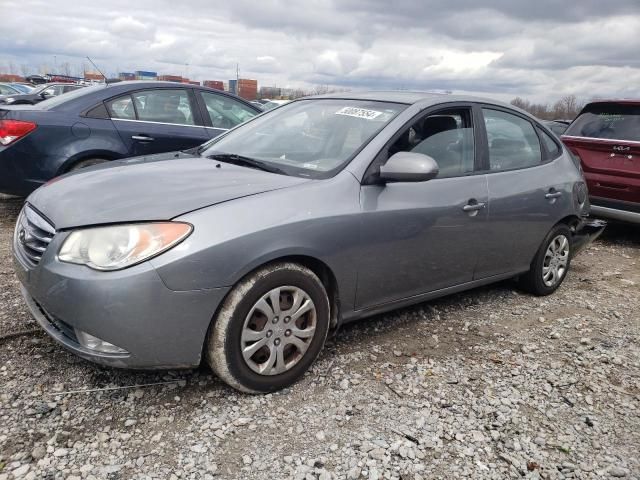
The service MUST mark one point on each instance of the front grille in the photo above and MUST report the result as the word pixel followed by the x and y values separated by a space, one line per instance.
pixel 32 236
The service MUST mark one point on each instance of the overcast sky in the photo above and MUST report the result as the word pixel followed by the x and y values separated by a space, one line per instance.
pixel 539 49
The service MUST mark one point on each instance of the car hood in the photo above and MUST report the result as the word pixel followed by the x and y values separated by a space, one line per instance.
pixel 158 187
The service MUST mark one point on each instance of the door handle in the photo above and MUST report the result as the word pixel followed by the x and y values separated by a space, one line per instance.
pixel 553 194
pixel 473 207
pixel 142 138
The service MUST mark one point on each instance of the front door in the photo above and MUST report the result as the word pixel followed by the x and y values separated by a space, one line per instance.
pixel 421 237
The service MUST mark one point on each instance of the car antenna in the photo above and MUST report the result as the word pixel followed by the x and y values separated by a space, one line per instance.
pixel 99 71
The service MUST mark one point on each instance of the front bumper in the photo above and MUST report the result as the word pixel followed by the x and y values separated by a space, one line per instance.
pixel 588 231
pixel 131 308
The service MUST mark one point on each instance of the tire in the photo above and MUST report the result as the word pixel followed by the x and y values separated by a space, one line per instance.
pixel 89 162
pixel 549 269
pixel 244 321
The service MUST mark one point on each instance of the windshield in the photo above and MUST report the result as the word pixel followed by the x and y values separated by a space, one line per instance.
pixel 307 138
pixel 65 97
pixel 613 121
pixel 22 88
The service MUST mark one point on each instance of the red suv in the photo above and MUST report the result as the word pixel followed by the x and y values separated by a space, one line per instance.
pixel 606 138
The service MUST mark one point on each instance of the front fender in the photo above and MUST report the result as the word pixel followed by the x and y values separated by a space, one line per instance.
pixel 317 219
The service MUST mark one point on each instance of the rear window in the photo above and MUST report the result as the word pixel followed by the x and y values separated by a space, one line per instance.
pixel 607 121
pixel 60 99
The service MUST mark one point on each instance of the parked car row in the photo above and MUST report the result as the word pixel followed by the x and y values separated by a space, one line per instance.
pixel 100 123
pixel 557 126
pixel 35 94
pixel 244 251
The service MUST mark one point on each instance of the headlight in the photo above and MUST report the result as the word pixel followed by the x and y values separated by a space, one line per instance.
pixel 121 246
pixel 9 100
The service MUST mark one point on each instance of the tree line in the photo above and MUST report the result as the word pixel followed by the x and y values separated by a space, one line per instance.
pixel 567 108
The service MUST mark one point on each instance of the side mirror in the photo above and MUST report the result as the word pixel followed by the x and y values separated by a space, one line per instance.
pixel 46 94
pixel 409 167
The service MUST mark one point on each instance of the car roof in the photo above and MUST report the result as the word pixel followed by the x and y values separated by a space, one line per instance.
pixel 629 101
pixel 412 97
pixel 161 84
pixel 155 83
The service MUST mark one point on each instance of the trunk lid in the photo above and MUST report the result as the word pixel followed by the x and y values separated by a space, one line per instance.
pixel 606 138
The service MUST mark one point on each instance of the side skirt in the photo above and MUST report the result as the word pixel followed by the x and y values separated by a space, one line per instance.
pixel 405 302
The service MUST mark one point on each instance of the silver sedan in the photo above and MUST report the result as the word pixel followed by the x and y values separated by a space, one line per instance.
pixel 248 250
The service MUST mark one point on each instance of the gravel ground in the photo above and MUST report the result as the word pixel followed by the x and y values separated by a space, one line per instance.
pixel 491 383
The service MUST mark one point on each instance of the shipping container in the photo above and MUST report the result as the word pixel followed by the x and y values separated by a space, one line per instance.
pixel 93 76
pixel 217 84
pixel 245 88
pixel 11 78
pixel 143 73
pixel 170 78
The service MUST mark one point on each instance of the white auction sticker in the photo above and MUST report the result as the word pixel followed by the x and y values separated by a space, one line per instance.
pixel 359 112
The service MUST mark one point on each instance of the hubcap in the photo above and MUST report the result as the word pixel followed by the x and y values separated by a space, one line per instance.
pixel 278 330
pixel 556 259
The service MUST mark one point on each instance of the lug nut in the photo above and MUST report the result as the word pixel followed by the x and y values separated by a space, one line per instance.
pixel 287 333
pixel 269 333
pixel 275 319
pixel 276 342
pixel 287 319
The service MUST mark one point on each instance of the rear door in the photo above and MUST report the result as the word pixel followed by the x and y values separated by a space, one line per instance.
pixel 157 120
pixel 528 191
pixel 606 137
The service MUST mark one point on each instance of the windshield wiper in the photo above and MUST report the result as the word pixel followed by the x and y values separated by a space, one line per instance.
pixel 246 162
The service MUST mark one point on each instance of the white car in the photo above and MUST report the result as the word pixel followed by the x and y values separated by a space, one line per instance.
pixel 271 104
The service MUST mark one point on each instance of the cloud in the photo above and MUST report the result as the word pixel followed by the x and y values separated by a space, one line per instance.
pixel 498 48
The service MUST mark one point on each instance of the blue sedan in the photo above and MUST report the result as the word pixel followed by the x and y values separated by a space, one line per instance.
pixel 97 124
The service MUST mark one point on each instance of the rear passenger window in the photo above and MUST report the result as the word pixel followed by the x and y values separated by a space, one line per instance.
pixel 513 142
pixel 165 106
pixel 122 107
pixel 552 147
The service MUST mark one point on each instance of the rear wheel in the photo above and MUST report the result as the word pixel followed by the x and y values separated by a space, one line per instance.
pixel 270 329
pixel 551 264
pixel 86 163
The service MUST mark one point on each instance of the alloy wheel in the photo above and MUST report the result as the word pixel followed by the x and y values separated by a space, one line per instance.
pixel 556 259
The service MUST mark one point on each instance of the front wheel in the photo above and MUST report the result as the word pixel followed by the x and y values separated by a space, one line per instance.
pixel 270 328
pixel 551 263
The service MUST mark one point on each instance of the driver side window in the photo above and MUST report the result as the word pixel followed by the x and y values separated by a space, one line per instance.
pixel 446 136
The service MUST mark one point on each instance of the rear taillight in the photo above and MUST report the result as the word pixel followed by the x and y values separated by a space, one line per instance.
pixel 12 130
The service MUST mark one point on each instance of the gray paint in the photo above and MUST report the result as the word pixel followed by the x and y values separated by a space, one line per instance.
pixel 386 245
pixel 157 187
pixel 409 167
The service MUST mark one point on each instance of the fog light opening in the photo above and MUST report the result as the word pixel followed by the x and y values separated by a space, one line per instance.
pixel 94 343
